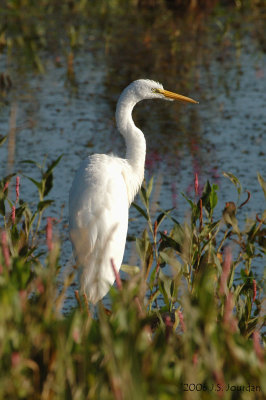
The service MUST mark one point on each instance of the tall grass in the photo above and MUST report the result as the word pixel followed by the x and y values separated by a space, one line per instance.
pixel 186 324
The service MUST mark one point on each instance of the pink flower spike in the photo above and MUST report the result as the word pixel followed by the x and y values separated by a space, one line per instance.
pixel 6 186
pixel 229 305
pixel 196 184
pixel 117 276
pixel 15 358
pixel 168 326
pixel 181 319
pixel 17 188
pixel 76 335
pixel 226 270
pixel 257 347
pixel 168 321
pixel 5 248
pixel 13 214
pixel 219 379
pixel 49 233
pixel 155 228
pixel 229 319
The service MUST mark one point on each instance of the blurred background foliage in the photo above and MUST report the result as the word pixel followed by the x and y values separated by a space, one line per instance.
pixel 28 27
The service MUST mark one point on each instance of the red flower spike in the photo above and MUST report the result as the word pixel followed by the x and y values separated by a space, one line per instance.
pixel 6 186
pixel 5 248
pixel 226 270
pixel 17 188
pixel 117 276
pixel 49 233
pixel 181 319
pixel 219 379
pixel 257 346
pixel 168 326
pixel 196 184
pixel 229 319
pixel 15 358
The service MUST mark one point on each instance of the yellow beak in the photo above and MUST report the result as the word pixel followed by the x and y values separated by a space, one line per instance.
pixel 176 96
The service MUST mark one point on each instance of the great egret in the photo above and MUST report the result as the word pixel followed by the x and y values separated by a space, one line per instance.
pixel 102 191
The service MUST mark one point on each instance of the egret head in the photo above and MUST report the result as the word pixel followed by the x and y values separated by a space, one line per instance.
pixel 148 89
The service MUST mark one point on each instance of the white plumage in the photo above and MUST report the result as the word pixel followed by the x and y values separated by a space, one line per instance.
pixel 102 191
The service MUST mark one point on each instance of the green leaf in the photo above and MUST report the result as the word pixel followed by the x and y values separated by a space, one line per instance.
pixel 149 187
pixel 131 270
pixel 53 165
pixel 36 183
pixel 262 184
pixel 20 210
pixel 20 273
pixel 2 140
pixel 177 233
pixel 162 216
pixel 140 210
pixel 154 296
pixel 145 250
pixel 143 196
pixel 5 180
pixel 33 218
pixel 14 233
pixel 167 241
pixel 10 203
pixel 171 260
pixel 2 207
pixel 209 197
pixel 163 290
pixel 213 196
pixel 231 279
pixel 234 180
pixel 209 228
pixel 44 204
pixel 31 162
pixel 206 196
pixel 188 200
pixel 48 183
pixel 131 238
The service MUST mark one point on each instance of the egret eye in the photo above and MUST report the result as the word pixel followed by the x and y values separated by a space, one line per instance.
pixel 155 90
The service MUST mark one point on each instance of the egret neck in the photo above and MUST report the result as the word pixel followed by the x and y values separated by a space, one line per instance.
pixel 134 138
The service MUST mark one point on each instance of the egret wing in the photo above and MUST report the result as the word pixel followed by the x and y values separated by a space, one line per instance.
pixel 98 211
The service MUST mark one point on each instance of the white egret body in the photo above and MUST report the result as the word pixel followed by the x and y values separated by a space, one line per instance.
pixel 102 191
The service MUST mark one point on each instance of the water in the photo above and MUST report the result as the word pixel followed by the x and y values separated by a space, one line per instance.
pixel 225 132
